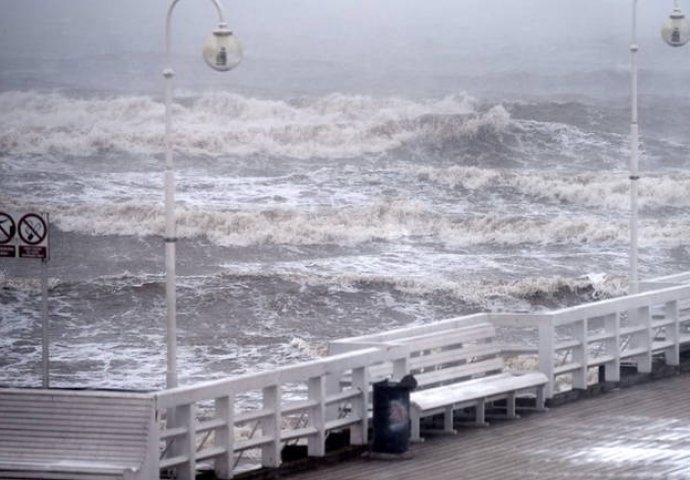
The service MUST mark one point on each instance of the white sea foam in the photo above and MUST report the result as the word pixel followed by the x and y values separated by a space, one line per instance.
pixel 487 294
pixel 217 124
pixel 385 220
pixel 601 190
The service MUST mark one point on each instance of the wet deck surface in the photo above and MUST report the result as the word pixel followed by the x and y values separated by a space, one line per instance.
pixel 640 433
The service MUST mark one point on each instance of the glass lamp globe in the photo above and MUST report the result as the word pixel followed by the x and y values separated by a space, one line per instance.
pixel 222 51
pixel 676 31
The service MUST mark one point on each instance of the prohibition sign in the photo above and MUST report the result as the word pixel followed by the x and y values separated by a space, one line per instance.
pixel 7 228
pixel 32 229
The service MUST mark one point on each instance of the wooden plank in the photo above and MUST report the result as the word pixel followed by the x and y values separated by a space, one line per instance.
pixel 453 374
pixel 454 355
pixel 64 431
pixel 456 336
pixel 634 433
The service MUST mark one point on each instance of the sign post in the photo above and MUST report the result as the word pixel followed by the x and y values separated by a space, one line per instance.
pixel 26 236
pixel 45 343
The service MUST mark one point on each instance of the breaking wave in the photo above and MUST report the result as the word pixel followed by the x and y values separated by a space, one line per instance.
pixel 603 190
pixel 334 126
pixel 216 124
pixel 385 221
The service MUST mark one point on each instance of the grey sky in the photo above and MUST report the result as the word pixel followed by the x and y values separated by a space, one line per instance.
pixel 442 37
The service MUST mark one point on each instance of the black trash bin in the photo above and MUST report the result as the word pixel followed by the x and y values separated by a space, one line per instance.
pixel 391 420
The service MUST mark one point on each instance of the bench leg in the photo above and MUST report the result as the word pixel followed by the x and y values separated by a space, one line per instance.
pixel 541 399
pixel 448 421
pixel 480 414
pixel 510 406
pixel 415 430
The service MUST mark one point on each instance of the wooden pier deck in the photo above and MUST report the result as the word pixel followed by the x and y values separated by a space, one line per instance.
pixel 640 433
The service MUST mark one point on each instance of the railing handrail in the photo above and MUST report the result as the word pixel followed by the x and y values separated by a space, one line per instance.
pixel 383 337
pixel 292 373
pixel 620 304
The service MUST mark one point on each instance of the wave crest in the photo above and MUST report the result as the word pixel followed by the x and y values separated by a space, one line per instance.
pixel 217 124
pixel 385 221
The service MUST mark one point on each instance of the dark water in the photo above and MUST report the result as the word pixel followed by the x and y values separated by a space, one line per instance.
pixel 316 201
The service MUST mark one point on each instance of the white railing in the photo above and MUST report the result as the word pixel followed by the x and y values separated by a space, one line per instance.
pixel 201 421
pixel 569 344
pixel 633 328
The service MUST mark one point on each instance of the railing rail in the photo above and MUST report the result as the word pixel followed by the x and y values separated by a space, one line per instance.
pixel 271 425
pixel 566 344
pixel 633 328
pixel 569 342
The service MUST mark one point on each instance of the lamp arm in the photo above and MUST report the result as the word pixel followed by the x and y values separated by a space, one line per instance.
pixel 219 8
pixel 168 23
pixel 168 41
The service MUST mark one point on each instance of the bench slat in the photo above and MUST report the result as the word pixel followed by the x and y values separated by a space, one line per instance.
pixel 455 355
pixel 450 337
pixel 459 373
pixel 57 434
pixel 475 390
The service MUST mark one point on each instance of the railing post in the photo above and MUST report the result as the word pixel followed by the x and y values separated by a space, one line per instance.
pixel 546 360
pixel 332 387
pixel 185 445
pixel 359 432
pixel 152 468
pixel 270 427
pixel 612 369
pixel 672 312
pixel 644 364
pixel 225 436
pixel 580 354
pixel 316 446
pixel 400 367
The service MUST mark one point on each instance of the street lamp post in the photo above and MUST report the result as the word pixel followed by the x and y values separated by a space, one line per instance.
pixel 676 32
pixel 634 156
pixel 222 52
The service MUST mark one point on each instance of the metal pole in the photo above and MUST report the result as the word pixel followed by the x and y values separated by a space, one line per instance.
pixel 634 158
pixel 170 230
pixel 45 325
pixel 170 235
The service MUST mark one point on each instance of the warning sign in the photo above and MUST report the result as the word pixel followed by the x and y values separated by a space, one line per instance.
pixel 7 232
pixel 24 235
pixel 7 228
pixel 32 229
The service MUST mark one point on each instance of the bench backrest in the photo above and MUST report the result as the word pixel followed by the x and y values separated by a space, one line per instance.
pixel 80 431
pixel 454 355
pixel 448 356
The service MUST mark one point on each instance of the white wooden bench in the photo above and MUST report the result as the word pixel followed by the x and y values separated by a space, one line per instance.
pixel 460 368
pixel 80 435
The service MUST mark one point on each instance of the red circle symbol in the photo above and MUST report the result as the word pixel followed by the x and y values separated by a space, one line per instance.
pixel 7 228
pixel 32 229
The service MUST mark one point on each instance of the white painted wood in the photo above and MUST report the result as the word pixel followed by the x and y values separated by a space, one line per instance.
pixel 270 427
pixel 580 355
pixel 479 388
pixel 224 436
pixel 360 382
pixel 671 313
pixel 184 446
pixel 546 354
pixel 77 433
pixel 644 318
pixel 290 374
pixel 338 346
pixel 612 368
pixel 317 417
pixel 447 375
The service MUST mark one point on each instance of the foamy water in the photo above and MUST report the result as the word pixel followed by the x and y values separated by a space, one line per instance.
pixel 311 218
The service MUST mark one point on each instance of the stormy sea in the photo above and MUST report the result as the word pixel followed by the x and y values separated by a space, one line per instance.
pixel 330 186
